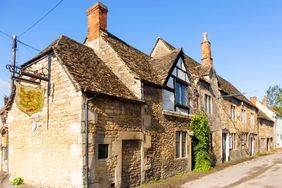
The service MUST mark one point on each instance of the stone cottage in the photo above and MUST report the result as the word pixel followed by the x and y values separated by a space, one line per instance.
pixel 268 125
pixel 117 117
pixel 232 117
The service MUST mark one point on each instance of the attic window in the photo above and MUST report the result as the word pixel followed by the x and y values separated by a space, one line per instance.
pixel 175 96
pixel 180 93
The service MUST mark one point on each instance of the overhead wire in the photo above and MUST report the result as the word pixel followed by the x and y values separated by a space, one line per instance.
pixel 5 34
pixel 40 19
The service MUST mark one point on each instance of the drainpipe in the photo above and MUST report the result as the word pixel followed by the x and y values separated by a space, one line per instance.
pixel 86 141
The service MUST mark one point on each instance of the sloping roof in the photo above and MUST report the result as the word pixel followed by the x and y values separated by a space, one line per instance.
pixel 137 61
pixel 86 68
pixel 197 69
pixel 262 115
pixel 169 46
pixel 163 64
pixel 230 89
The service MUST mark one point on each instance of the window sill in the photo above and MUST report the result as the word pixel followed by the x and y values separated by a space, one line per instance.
pixel 176 114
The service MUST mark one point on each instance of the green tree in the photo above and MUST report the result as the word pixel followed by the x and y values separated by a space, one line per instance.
pixel 274 98
pixel 200 143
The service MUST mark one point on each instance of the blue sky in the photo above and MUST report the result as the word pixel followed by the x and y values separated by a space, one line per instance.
pixel 246 36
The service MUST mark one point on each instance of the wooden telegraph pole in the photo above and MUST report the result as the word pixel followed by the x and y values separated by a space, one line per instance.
pixel 14 49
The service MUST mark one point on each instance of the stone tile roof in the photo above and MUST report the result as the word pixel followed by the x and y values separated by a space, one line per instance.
pixel 169 46
pixel 230 89
pixel 262 115
pixel 197 69
pixel 137 61
pixel 86 68
pixel 163 64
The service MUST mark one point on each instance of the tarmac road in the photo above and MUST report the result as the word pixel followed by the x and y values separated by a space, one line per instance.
pixel 264 171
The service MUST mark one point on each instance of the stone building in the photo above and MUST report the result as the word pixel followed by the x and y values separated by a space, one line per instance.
pixel 117 117
pixel 268 122
pixel 232 117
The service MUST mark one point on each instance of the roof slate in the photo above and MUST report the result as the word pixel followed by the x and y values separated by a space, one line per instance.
pixel 86 68
pixel 163 64
pixel 262 115
pixel 197 69
pixel 137 61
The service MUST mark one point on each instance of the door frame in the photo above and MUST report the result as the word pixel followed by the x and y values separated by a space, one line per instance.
pixel 226 149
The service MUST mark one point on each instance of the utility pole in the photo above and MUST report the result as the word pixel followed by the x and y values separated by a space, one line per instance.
pixel 14 49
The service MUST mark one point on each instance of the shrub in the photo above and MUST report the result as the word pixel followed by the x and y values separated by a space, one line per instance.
pixel 18 181
pixel 200 143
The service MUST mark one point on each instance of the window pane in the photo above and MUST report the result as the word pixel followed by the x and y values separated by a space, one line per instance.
pixel 183 94
pixel 183 144
pixel 205 103
pixel 177 144
pixel 103 151
pixel 177 92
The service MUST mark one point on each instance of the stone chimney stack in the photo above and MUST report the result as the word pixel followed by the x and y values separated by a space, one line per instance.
pixel 253 100
pixel 206 50
pixel 264 101
pixel 97 20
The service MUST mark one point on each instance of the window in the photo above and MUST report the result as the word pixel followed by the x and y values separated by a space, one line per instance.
pixel 243 116
pixel 177 144
pixel 180 93
pixel 181 144
pixel 175 93
pixel 103 151
pixel 232 143
pixel 252 119
pixel 233 112
pixel 208 104
pixel 244 140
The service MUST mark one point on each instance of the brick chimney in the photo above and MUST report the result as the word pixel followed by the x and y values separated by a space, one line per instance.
pixel 97 20
pixel 206 50
pixel 253 100
pixel 264 101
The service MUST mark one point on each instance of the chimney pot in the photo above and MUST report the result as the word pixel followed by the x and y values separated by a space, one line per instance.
pixel 253 100
pixel 97 20
pixel 264 101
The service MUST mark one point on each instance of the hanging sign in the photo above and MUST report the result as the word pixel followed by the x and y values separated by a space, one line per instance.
pixel 29 100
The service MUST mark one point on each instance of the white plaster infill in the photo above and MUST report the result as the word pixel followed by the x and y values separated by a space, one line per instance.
pixel 176 114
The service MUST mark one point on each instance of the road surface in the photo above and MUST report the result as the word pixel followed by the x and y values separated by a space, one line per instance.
pixel 264 171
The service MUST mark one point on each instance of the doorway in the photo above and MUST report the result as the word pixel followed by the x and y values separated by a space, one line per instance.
pixel 251 145
pixel 225 145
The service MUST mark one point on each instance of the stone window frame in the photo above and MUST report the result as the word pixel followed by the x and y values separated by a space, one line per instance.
pixel 233 112
pixel 181 145
pixel 208 108
pixel 232 141
pixel 101 140
pixel 243 115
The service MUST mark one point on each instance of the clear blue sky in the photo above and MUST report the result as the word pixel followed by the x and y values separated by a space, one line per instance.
pixel 246 36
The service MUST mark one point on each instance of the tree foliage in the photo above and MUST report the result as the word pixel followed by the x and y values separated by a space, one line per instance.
pixel 274 98
pixel 200 143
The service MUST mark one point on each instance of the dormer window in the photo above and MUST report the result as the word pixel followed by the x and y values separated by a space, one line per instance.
pixel 175 96
pixel 180 93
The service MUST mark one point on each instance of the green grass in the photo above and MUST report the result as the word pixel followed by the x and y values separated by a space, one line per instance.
pixel 151 182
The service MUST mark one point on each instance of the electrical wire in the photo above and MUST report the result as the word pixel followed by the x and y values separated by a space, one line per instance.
pixel 5 34
pixel 40 19
pixel 27 45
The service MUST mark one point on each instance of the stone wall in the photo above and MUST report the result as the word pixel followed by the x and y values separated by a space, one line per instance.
pixel 50 155
pixel 163 129
pixel 266 135
pixel 115 121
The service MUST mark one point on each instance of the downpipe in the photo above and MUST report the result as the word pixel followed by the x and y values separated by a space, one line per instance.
pixel 86 142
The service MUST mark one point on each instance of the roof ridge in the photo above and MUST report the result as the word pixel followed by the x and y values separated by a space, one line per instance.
pixel 125 43
pixel 167 54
